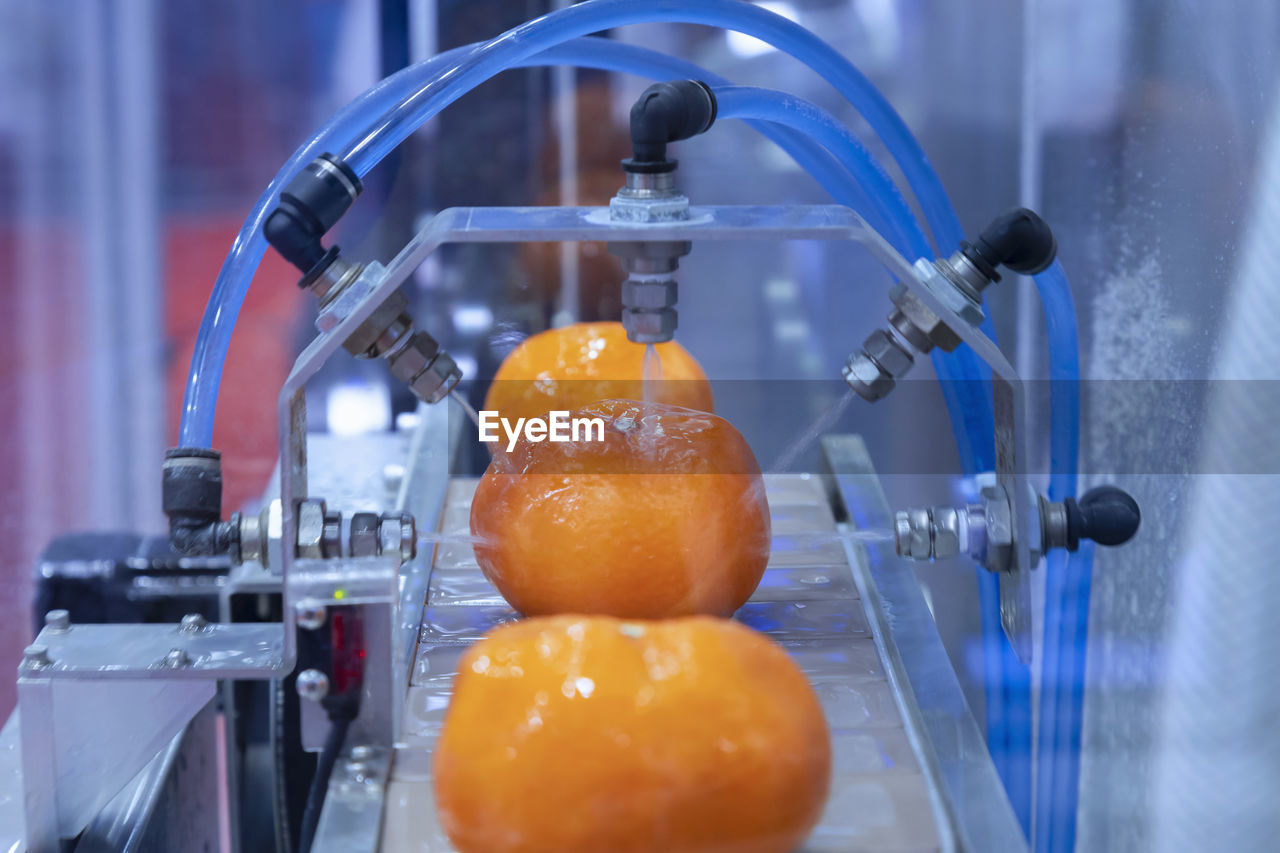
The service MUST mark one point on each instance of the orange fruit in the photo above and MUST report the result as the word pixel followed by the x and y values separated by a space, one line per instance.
pixel 568 368
pixel 576 733
pixel 665 517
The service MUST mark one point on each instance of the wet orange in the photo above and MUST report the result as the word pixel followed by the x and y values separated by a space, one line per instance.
pixel 665 517
pixel 577 733
pixel 570 367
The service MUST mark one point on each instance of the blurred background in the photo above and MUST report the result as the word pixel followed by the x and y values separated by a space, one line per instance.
pixel 136 134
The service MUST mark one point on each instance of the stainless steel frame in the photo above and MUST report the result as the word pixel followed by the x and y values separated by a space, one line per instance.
pixel 170 672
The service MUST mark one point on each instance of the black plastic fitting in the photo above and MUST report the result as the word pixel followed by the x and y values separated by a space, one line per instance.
pixel 191 495
pixel 1107 515
pixel 667 112
pixel 310 205
pixel 1018 239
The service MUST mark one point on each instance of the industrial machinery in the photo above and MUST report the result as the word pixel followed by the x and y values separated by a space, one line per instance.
pixel 326 647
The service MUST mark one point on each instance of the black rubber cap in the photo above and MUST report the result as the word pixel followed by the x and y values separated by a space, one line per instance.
pixel 1106 515
pixel 1018 239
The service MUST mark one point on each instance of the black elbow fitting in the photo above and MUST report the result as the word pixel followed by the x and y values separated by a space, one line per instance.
pixel 1019 239
pixel 310 205
pixel 191 495
pixel 668 112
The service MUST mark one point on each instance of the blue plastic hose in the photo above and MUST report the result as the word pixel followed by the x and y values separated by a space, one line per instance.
pixel 1068 579
pixel 749 102
pixel 963 376
pixel 534 36
pixel 229 290
pixel 428 93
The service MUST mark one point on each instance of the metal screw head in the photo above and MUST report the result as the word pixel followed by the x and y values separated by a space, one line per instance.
pixel 57 620
pixel 36 656
pixel 310 614
pixel 193 623
pixel 175 659
pixel 312 684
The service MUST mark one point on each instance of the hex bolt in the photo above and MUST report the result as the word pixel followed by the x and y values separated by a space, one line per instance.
pixel 57 620
pixel 193 623
pixel 36 656
pixel 311 614
pixel 312 684
pixel 175 659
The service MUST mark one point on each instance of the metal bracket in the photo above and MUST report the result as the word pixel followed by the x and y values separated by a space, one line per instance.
pixel 1009 410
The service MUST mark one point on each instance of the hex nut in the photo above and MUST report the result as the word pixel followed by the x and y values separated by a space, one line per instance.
pixel 439 378
pixel 413 358
pixel 921 545
pixel 672 207
pixel 886 352
pixel 902 533
pixel 332 534
pixel 311 529
pixel 946 532
pixel 398 535
pixel 866 377
pixel 649 327
pixel 999 528
pixel 393 308
pixel 364 534
pixel 907 329
pixel 928 323
pixel 648 295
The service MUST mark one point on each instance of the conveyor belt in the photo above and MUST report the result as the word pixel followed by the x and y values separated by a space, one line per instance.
pixel 809 601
